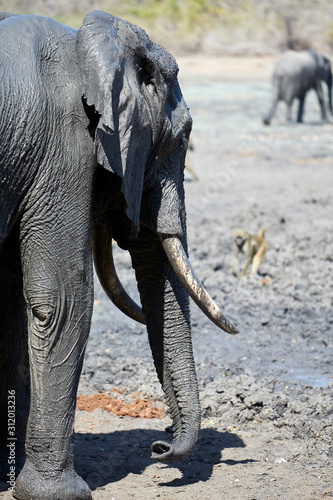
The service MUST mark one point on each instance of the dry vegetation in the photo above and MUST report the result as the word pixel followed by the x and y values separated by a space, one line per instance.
pixel 235 27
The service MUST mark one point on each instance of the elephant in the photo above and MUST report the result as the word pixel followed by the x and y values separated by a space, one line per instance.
pixel 295 73
pixel 94 132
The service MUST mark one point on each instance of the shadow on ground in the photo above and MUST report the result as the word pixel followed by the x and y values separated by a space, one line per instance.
pixel 105 458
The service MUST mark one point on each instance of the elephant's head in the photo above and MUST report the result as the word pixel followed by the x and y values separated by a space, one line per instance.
pixel 141 126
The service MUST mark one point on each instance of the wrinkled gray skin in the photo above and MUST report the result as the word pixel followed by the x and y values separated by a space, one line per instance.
pixel 93 132
pixel 295 73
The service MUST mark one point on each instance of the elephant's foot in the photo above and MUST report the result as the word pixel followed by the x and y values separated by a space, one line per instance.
pixel 33 485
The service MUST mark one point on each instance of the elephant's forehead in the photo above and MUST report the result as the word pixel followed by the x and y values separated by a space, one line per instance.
pixel 158 54
pixel 166 62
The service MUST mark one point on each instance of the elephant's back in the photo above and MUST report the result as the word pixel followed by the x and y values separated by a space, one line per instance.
pixel 38 63
pixel 39 95
pixel 291 63
pixel 28 41
pixel 17 31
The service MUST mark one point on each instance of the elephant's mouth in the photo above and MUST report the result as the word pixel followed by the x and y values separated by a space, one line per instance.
pixel 181 265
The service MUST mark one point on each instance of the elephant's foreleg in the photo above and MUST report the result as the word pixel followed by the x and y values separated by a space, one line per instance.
pixel 58 290
pixel 319 92
pixel 14 368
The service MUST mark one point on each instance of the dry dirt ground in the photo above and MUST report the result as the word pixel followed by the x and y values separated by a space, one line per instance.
pixel 266 393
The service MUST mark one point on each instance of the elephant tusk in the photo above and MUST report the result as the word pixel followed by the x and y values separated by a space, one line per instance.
pixel 106 272
pixel 183 269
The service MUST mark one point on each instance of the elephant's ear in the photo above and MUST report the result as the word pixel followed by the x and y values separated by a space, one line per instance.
pixel 108 51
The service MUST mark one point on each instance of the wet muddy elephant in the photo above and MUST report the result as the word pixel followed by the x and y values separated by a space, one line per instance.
pixel 295 73
pixel 94 132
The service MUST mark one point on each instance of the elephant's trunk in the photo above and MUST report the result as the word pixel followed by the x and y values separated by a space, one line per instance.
pixel 166 307
pixel 177 374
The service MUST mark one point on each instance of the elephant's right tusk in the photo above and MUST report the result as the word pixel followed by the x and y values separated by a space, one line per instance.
pixel 108 277
pixel 182 267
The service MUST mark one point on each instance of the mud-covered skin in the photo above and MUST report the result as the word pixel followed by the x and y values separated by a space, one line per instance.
pixel 93 126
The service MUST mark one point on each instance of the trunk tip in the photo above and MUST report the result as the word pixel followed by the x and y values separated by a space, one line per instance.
pixel 164 452
pixel 161 451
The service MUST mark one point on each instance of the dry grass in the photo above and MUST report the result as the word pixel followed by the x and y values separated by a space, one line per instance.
pixel 192 26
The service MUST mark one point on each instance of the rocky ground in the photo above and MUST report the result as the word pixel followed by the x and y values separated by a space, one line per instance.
pixel 266 393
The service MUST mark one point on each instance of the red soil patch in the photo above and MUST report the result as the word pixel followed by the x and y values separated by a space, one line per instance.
pixel 139 407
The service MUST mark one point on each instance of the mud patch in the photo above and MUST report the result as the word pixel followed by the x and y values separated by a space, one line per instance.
pixel 133 406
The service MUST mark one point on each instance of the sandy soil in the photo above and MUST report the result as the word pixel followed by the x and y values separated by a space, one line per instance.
pixel 266 393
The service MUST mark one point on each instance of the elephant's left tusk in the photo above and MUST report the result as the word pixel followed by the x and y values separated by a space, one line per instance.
pixel 183 269
pixel 106 272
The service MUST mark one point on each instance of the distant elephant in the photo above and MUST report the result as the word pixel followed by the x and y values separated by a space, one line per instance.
pixel 295 73
pixel 93 136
